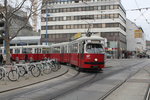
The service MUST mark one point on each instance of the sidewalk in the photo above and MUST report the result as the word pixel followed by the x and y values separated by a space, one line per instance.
pixel 135 88
pixel 30 80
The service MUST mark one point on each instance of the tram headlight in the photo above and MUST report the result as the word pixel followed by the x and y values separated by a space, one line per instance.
pixel 95 59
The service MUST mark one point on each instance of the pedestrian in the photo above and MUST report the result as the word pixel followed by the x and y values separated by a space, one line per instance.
pixel 123 55
pixel 26 57
pixel 126 54
pixel 1 59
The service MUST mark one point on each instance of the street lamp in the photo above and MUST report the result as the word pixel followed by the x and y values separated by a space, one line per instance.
pixel 46 25
pixel 47 15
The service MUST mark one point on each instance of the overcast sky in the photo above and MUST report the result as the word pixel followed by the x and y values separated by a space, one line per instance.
pixel 137 16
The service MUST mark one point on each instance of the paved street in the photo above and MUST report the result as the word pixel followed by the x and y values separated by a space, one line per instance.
pixel 134 88
pixel 129 84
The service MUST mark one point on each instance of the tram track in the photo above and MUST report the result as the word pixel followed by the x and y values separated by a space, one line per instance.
pixel 90 81
pixel 147 97
pixel 105 75
pixel 78 80
pixel 102 76
pixel 74 87
pixel 64 87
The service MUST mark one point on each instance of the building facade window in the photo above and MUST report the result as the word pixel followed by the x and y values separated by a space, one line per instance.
pixel 87 8
pixel 84 26
pixel 85 17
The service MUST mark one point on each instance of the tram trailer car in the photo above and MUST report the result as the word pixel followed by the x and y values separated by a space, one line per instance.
pixel 30 53
pixel 59 52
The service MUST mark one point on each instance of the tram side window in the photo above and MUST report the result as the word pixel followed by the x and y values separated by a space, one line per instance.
pixel 24 50
pixel 56 50
pixel 45 50
pixel 38 50
pixel 27 50
pixel 62 49
pixel 17 51
pixel 69 48
pixel 81 48
pixel 1 51
pixel 11 51
pixel 74 48
pixel 49 50
pixel 65 49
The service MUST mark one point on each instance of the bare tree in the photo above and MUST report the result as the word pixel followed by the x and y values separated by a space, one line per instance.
pixel 11 14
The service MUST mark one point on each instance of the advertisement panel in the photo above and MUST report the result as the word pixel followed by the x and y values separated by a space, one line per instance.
pixel 138 34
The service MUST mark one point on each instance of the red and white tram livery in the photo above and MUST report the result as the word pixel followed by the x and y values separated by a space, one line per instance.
pixel 83 53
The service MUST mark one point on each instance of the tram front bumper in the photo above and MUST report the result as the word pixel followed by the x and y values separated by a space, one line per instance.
pixel 94 65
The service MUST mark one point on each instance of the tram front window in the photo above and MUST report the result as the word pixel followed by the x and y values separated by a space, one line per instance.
pixel 94 48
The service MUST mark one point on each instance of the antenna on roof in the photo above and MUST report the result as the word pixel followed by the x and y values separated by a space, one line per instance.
pixel 88 33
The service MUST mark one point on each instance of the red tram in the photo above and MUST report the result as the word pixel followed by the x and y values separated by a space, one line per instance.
pixel 83 53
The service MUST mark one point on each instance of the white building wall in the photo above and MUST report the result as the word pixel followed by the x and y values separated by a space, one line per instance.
pixel 134 44
pixel 82 4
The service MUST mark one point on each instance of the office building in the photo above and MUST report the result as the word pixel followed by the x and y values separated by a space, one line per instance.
pixel 62 19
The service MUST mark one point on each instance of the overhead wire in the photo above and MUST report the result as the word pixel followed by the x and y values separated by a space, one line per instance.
pixel 145 8
pixel 140 10
pixel 140 15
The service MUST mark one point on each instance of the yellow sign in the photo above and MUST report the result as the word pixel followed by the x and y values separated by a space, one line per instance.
pixel 109 49
pixel 138 33
pixel 78 35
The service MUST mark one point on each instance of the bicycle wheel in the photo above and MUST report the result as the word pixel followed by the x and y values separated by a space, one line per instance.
pixel 54 67
pixel 35 71
pixel 2 73
pixel 13 75
pixel 57 64
pixel 47 69
pixel 22 71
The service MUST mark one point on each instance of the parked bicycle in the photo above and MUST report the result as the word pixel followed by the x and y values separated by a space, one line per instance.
pixel 53 64
pixel 9 71
pixel 44 67
pixel 28 68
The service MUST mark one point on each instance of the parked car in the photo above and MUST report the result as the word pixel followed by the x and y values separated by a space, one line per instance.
pixel 142 55
pixel 108 55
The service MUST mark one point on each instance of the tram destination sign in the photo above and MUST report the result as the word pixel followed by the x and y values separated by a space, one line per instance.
pixel 94 41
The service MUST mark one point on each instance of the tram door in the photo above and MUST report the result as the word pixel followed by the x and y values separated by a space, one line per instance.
pixel 62 54
pixel 81 54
